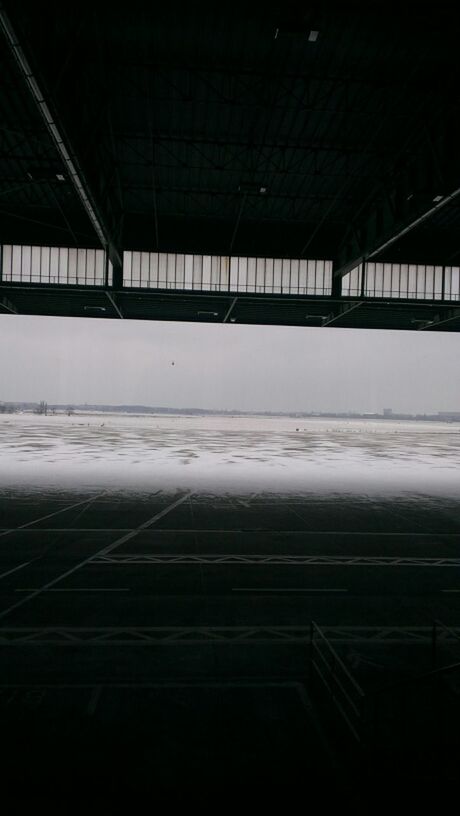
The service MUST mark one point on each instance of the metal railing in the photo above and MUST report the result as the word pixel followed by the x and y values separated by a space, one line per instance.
pixel 410 711
pixel 403 281
pixel 225 273
pixel 345 693
pixel 55 266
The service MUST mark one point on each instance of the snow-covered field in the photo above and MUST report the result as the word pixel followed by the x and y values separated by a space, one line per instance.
pixel 228 453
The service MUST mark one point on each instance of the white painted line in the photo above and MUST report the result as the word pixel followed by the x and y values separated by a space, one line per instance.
pixel 78 589
pixel 268 532
pixel 143 526
pixel 257 683
pixel 15 569
pixel 283 589
pixel 450 590
pixel 50 515
pixel 34 593
pixel 77 530
pixel 192 531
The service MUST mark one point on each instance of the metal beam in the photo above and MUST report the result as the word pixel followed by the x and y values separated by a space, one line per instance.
pixel 114 304
pixel 245 76
pixel 230 310
pixel 238 219
pixel 261 309
pixel 438 320
pixel 7 305
pixel 215 192
pixel 60 140
pixel 152 154
pixel 234 143
pixel 417 193
pixel 415 223
pixel 342 313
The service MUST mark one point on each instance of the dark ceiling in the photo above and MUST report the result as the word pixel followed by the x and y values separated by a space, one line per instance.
pixel 235 130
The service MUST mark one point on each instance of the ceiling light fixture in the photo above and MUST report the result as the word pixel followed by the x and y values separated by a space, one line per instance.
pixel 313 36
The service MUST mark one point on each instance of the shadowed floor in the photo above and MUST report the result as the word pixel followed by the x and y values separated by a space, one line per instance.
pixel 157 638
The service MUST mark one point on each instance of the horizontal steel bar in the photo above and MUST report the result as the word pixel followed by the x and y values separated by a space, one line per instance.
pixel 307 560
pixel 182 635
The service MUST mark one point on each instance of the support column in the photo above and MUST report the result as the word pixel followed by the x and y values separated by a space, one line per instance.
pixel 336 285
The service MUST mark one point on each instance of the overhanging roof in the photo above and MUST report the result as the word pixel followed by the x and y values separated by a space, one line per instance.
pixel 327 130
pixel 231 131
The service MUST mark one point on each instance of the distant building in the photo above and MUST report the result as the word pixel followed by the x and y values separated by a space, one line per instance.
pixel 387 412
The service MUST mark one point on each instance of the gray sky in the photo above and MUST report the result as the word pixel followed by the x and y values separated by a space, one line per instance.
pixel 67 360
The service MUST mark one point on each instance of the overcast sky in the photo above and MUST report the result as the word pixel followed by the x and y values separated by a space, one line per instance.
pixel 67 360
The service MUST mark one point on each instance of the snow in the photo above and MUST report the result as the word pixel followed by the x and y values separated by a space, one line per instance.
pixel 221 453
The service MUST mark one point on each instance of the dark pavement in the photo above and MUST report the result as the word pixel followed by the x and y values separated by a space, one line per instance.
pixel 173 630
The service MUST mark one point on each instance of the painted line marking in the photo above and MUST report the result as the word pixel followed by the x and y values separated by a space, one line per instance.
pixel 450 590
pixel 78 589
pixel 85 561
pixel 141 527
pixel 76 530
pixel 258 682
pixel 50 515
pixel 15 569
pixel 283 589
pixel 191 531
pixel 268 532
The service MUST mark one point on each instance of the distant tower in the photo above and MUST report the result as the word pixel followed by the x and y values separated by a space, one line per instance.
pixel 387 412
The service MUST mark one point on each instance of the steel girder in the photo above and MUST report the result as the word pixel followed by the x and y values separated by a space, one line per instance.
pixel 424 181
pixel 65 151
